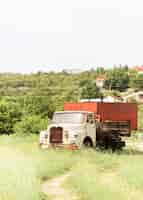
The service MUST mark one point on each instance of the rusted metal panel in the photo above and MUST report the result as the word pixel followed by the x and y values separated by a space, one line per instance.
pixel 119 112
pixel 90 107
pixel 108 111
pixel 64 146
pixel 122 127
pixel 56 135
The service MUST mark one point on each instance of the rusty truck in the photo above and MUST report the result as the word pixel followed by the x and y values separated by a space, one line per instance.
pixel 91 124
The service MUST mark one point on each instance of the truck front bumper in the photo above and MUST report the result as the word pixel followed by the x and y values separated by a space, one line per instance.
pixel 59 146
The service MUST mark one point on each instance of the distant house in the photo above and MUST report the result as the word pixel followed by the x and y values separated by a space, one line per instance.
pixel 109 99
pixel 134 97
pixel 139 69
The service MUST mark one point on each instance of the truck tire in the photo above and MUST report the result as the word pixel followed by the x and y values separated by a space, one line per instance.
pixel 87 143
pixel 117 143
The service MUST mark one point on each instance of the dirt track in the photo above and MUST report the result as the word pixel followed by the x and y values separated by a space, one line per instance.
pixel 54 189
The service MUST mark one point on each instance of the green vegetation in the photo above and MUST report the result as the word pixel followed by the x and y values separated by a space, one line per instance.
pixel 107 176
pixel 10 114
pixel 140 117
pixel 27 102
pixel 31 124
pixel 24 166
pixel 23 97
pixel 94 175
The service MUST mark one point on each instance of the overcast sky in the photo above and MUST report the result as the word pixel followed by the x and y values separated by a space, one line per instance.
pixel 55 34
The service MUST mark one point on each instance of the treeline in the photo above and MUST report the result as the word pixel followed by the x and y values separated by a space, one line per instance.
pixel 28 101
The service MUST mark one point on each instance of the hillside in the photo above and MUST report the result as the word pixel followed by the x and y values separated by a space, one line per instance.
pixel 34 97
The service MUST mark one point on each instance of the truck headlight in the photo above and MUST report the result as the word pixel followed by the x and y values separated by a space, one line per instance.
pixel 76 135
pixel 66 134
pixel 73 141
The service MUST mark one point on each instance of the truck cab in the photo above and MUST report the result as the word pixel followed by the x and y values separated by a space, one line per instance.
pixel 70 129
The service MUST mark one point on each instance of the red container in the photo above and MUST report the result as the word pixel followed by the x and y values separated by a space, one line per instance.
pixel 108 111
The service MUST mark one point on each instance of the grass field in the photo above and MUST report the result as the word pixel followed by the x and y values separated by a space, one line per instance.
pixel 94 175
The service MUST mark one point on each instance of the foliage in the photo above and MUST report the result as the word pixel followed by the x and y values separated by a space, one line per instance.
pixel 89 91
pixel 136 81
pixel 31 124
pixel 9 115
pixel 92 174
pixel 24 166
pixel 117 79
pixel 108 176
pixel 43 93
pixel 140 117
pixel 36 105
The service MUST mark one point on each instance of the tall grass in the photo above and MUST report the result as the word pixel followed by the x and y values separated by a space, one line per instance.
pixel 89 178
pixel 131 171
pixel 18 179
pixel 23 166
pixel 94 175
pixel 88 184
pixel 108 176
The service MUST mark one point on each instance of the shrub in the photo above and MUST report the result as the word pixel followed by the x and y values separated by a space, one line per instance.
pixel 140 117
pixel 31 124
pixel 9 115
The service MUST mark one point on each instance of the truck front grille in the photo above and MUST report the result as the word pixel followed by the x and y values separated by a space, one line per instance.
pixel 56 135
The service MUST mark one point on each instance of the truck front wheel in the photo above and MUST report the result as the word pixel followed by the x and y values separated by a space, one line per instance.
pixel 88 142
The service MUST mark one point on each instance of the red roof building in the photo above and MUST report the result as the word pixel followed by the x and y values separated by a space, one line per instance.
pixel 139 69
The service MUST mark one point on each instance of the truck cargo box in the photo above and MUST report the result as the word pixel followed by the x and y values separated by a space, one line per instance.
pixel 108 111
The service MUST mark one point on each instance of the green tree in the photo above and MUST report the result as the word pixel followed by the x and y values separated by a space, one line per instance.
pixel 31 124
pixel 90 90
pixel 136 81
pixel 9 114
pixel 117 79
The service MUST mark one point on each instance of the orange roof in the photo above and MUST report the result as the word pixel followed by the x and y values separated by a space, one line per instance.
pixel 101 77
pixel 138 68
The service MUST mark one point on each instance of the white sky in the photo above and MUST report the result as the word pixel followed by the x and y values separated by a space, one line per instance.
pixel 53 34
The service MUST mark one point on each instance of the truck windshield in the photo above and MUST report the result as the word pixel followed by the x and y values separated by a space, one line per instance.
pixel 68 118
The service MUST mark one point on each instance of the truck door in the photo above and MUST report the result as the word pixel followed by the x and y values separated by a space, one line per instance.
pixel 91 128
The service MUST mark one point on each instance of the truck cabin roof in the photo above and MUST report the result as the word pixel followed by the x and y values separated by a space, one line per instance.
pixel 84 112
